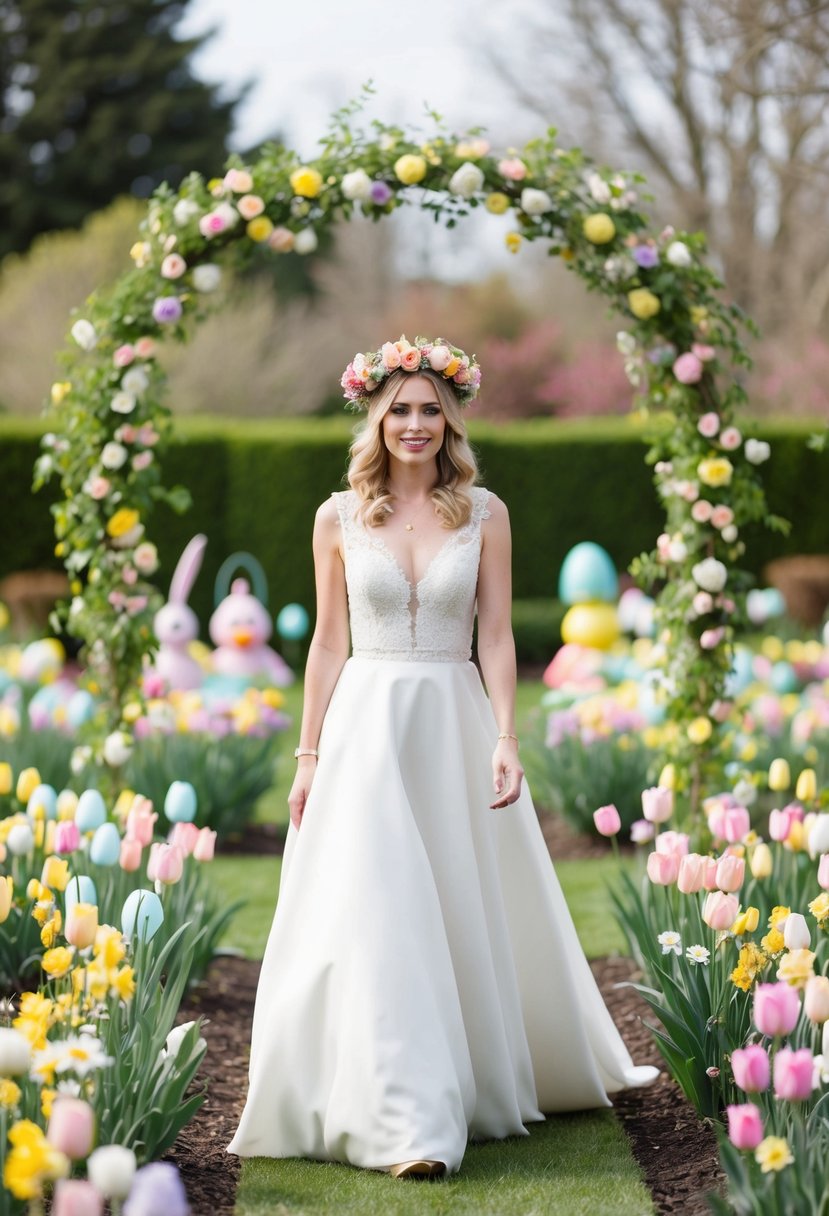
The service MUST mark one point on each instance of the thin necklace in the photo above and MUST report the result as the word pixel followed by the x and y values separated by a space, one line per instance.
pixel 410 525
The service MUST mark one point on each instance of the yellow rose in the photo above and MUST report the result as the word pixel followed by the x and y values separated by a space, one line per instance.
pixel 700 730
pixel 643 303
pixel 806 788
pixel 260 229
pixel 306 182
pixel 410 169
pixel 780 777
pixel 715 471
pixel 59 391
pixel 599 228
pixel 57 962
pixel 513 241
pixel 27 782
pixel 122 522
pixel 497 203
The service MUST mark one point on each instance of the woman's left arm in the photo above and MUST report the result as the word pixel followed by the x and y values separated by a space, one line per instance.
pixel 496 648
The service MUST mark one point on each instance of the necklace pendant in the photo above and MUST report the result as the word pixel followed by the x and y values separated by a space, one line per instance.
pixel 410 527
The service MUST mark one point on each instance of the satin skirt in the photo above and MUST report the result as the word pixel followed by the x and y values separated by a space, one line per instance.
pixel 422 983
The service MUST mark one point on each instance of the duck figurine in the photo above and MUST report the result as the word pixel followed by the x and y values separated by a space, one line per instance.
pixel 240 628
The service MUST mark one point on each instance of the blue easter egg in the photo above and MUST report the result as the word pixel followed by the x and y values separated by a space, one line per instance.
pixel 105 848
pixel 783 677
pixel 650 707
pixel 91 811
pixel 181 802
pixel 44 796
pixel 142 914
pixel 774 601
pixel 80 890
pixel 292 622
pixel 80 707
pixel 587 573
pixel 742 672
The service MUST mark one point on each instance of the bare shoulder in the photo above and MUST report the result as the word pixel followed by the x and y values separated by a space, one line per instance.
pixel 327 524
pixel 498 513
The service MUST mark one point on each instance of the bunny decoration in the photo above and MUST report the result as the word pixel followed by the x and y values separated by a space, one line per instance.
pixel 240 627
pixel 176 624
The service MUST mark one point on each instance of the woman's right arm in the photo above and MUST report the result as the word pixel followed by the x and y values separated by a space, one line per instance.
pixel 327 651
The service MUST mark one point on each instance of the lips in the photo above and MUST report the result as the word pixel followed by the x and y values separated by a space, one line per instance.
pixel 414 445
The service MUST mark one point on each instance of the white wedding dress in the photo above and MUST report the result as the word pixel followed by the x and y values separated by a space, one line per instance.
pixel 423 982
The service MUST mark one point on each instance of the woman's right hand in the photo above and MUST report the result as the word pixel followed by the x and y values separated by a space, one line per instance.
pixel 301 788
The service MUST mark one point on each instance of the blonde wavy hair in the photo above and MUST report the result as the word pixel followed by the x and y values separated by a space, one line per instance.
pixel 368 468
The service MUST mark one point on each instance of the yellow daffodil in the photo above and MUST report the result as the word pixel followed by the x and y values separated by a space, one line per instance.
pixel 796 967
pixel 9 1092
pixel 32 1161
pixel 773 1154
pixel 57 962
pixel 750 962
pixel 123 983
pixel 109 946
pixel 819 907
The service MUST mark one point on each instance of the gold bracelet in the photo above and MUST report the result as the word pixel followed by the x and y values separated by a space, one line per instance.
pixel 506 736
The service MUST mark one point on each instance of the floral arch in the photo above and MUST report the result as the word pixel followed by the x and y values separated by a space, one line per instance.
pixel 681 343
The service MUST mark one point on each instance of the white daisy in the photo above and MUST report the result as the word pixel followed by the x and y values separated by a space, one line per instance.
pixel 698 954
pixel 669 940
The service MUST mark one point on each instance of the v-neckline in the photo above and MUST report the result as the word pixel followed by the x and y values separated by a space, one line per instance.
pixel 381 544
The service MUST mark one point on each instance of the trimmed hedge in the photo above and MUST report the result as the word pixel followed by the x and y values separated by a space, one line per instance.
pixel 256 486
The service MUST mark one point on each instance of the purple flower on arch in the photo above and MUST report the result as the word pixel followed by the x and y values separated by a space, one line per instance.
pixel 380 193
pixel 646 256
pixel 167 310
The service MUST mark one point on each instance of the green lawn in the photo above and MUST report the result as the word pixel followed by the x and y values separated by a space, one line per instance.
pixel 567 1166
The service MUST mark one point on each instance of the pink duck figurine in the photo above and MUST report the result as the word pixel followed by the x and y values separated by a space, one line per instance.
pixel 240 628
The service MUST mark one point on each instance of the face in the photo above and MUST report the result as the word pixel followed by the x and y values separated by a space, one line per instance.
pixel 414 425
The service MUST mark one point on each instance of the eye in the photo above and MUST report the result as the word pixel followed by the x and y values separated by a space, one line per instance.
pixel 400 409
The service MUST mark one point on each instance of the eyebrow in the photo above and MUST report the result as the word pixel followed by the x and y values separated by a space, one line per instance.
pixel 399 401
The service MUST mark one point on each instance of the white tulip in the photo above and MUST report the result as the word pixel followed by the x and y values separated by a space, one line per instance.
pixel 15 1052
pixel 305 241
pixel 84 334
pixel 207 278
pixel 819 836
pixel 174 1038
pixel 467 180
pixel 111 1169
pixel 20 840
pixel 796 932
pixel 357 185
pixel 678 254
pixel 757 451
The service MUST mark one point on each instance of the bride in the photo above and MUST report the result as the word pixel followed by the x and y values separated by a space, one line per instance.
pixel 422 982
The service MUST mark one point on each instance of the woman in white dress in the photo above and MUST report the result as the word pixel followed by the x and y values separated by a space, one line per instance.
pixel 422 982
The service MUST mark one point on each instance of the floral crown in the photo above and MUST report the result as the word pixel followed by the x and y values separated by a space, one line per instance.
pixel 366 372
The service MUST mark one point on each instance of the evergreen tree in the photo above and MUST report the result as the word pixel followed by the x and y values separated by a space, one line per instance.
pixel 97 99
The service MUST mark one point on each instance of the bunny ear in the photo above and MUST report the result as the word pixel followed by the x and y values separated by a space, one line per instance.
pixel 186 569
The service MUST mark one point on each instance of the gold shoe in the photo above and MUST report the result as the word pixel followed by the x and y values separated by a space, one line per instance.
pixel 418 1169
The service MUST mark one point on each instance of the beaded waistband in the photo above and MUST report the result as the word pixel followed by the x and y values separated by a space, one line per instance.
pixel 413 656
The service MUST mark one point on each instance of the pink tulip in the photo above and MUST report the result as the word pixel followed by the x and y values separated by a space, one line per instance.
pixel 823 871
pixel 751 1068
pixel 169 864
pixel 71 1127
pixel 81 925
pixel 793 1072
pixel 691 873
pixel 736 824
pixel 77 1197
pixel 184 835
pixel 152 861
pixel 745 1125
pixel 730 873
pixel 607 820
pixel 780 823
pixel 67 836
pixel 663 868
pixel 641 831
pixel 140 823
pixel 720 911
pixel 130 859
pixel 672 842
pixel 709 874
pixel 205 845
pixel 657 804
pixel 776 1009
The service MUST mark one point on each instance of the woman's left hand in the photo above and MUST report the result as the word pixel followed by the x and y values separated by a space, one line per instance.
pixel 507 773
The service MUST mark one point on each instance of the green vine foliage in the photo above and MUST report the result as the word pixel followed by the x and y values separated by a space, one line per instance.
pixel 682 343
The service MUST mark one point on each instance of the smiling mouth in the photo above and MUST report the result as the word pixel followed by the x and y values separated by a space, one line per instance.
pixel 415 443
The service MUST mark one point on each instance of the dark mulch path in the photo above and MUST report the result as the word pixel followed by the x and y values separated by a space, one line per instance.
pixel 676 1151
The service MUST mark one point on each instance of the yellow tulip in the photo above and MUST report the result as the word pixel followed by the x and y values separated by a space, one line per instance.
pixel 761 862
pixel 55 873
pixel 746 922
pixel 6 895
pixel 410 169
pixel 780 777
pixel 306 182
pixel 700 730
pixel 67 804
pixel 27 782
pixel 81 925
pixel 667 778
pixel 6 777
pixel 806 788
pixel 599 228
pixel 643 303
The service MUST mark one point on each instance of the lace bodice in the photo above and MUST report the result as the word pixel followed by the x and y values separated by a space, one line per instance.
pixel 391 619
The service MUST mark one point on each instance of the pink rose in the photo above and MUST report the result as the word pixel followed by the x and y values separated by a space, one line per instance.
pixel 99 487
pixel 751 1068
pixel 141 461
pixel 410 359
pixel 205 845
pixel 663 868
pixel 672 842
pixel 440 357
pixel 147 434
pixel 703 603
pixel 390 356
pixel 145 348
pixel 722 516
pixel 250 205
pixel 281 240
pixel 708 425
pixel 130 858
pixel 512 168
pixel 657 804
pixel 126 433
pixel 704 353
pixel 130 575
pixel 124 355
pixel 793 1073
pixel 745 1126
pixel 730 874
pixel 711 638
pixel 731 438
pixel 688 369
pixel 720 710
pixel 720 911
pixel 238 180
pixel 146 557
pixel 173 266
pixel 607 820
pixel 691 873
pixel 776 1008
pixel 701 511
pixel 135 604
pixel 690 491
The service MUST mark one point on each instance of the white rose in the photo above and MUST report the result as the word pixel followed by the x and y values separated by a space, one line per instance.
pixel 129 539
pixel 599 189
pixel 113 455
pixel 357 185
pixel 305 241
pixel 78 604
pixel 15 1052
pixel 757 451
pixel 729 533
pixel 625 343
pixel 710 574
pixel 135 381
pixel 146 558
pixel 677 550
pixel 84 334
pixel 122 403
pixel 184 211
pixel 535 202
pixel 467 180
pixel 207 278
pixel 111 1170
pixel 117 748
pixel 678 254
